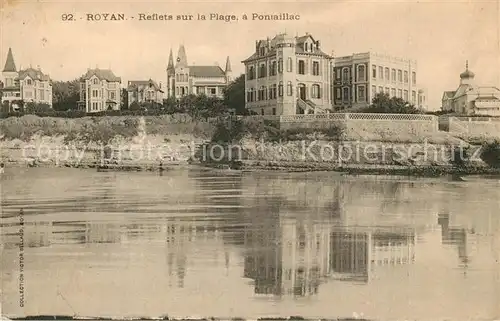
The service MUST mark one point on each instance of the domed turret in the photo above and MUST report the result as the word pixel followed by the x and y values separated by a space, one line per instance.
pixel 467 73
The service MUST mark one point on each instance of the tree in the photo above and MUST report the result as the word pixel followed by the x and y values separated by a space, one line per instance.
pixel 171 106
pixel 383 103
pixel 32 108
pixel 234 96
pixel 124 98
pixel 66 94
pixel 5 106
pixel 135 106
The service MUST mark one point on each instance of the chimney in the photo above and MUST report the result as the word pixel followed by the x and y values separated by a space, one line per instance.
pixel 216 64
pixel 38 67
pixel 307 33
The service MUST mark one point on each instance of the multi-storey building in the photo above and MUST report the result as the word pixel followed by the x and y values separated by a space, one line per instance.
pixel 288 75
pixel 99 91
pixel 359 77
pixel 27 85
pixel 144 91
pixel 184 79
pixel 470 99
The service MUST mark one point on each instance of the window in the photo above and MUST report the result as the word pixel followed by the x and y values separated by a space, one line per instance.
pixel 406 77
pixel 381 72
pixel 345 74
pixel 274 111
pixel 95 81
pixel 387 90
pixel 374 71
pixel 289 64
pixel 262 111
pixel 316 91
pixel 249 95
pixel 28 82
pixel 272 69
pixel 339 93
pixel 400 75
pixel 262 71
pixel 414 77
pixel 400 93
pixel 280 65
pixel 337 74
pixel 405 97
pixel 272 92
pixel 380 89
pixel 387 76
pixel 315 68
pixel 413 96
pixel 262 51
pixel 112 95
pixel 361 73
pixel 393 75
pixel 95 93
pixel 345 94
pixel 251 73
pixel 289 89
pixel 302 67
pixel 361 93
pixel 262 93
pixel 393 92
pixel 374 91
pixel 280 89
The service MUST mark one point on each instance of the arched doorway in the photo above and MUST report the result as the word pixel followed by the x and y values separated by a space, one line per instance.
pixel 302 91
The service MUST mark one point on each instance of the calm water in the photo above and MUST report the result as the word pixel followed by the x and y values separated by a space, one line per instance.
pixel 206 243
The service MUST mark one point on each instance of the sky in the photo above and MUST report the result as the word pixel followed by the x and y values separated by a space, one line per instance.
pixel 441 35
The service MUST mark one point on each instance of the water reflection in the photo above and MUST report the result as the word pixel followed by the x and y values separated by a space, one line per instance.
pixel 186 240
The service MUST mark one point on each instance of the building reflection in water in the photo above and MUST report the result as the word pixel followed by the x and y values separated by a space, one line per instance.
pixel 463 238
pixel 355 255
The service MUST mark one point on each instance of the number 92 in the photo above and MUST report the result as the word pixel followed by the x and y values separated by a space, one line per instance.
pixel 67 17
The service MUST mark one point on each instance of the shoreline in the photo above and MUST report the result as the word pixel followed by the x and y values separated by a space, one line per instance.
pixel 279 166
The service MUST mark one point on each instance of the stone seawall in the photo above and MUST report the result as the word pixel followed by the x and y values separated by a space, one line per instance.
pixel 362 126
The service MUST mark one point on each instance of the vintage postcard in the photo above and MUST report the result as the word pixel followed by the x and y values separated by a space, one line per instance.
pixel 250 160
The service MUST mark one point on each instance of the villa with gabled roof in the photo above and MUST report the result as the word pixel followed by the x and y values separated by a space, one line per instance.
pixel 144 91
pixel 184 79
pixel 27 85
pixel 288 75
pixel 470 99
pixel 99 91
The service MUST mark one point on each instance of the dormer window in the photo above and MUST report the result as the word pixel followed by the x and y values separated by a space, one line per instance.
pixel 28 82
pixel 95 81
pixel 262 51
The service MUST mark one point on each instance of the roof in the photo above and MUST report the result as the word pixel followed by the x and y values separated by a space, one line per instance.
pixel 102 74
pixel 206 71
pixel 134 84
pixel 10 66
pixel 299 48
pixel 11 88
pixel 35 74
pixel 448 94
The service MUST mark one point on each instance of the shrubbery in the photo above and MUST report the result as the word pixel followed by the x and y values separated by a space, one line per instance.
pixel 490 153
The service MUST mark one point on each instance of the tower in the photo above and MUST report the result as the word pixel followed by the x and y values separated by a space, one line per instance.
pixel 228 71
pixel 9 72
pixel 467 77
pixel 287 80
pixel 170 75
pixel 181 57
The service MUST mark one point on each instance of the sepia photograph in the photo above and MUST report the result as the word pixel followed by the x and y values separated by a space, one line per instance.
pixel 250 160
